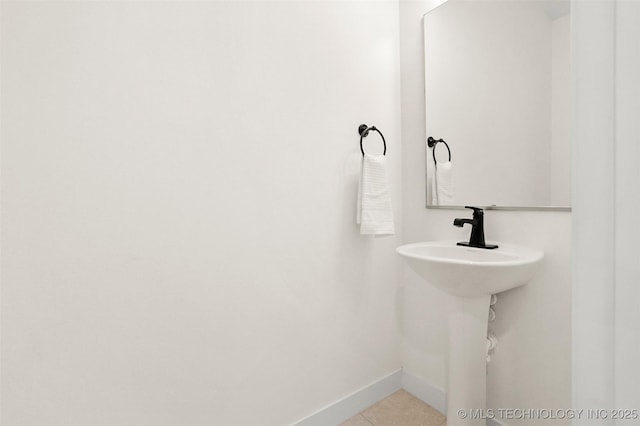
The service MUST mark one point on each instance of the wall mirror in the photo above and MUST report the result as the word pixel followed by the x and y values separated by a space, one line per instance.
pixel 497 93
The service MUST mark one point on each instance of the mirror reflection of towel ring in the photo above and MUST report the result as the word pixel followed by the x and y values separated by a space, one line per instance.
pixel 431 142
pixel 364 130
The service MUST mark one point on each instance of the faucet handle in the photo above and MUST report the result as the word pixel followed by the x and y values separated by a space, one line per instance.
pixel 476 210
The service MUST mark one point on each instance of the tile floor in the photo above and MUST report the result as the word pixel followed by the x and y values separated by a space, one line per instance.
pixel 398 409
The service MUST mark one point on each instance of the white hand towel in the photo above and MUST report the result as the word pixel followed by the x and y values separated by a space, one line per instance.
pixel 375 212
pixel 434 190
pixel 443 185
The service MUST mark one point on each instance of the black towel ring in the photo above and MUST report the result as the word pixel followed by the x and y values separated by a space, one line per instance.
pixel 431 142
pixel 364 130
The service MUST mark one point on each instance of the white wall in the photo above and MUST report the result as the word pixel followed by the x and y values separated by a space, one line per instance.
pixel 560 149
pixel 489 82
pixel 593 199
pixel 178 184
pixel 532 364
pixel 627 152
pixel 606 322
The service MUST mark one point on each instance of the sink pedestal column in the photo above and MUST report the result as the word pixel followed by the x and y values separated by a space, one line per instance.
pixel 467 381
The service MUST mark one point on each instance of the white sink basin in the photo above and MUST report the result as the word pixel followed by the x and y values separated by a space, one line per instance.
pixel 469 276
pixel 471 272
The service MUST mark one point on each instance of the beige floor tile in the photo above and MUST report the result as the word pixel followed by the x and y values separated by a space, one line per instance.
pixel 356 420
pixel 402 409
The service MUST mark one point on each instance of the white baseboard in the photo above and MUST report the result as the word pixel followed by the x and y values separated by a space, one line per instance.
pixel 425 391
pixel 352 404
pixel 432 395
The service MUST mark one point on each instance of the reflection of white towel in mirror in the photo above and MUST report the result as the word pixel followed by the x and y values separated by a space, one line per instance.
pixel 442 185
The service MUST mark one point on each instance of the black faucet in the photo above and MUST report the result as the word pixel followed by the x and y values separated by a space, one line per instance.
pixel 477 229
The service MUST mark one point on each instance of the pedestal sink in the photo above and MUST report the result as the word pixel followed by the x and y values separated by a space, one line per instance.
pixel 469 276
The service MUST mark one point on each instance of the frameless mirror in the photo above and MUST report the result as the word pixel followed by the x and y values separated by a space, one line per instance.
pixel 497 92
